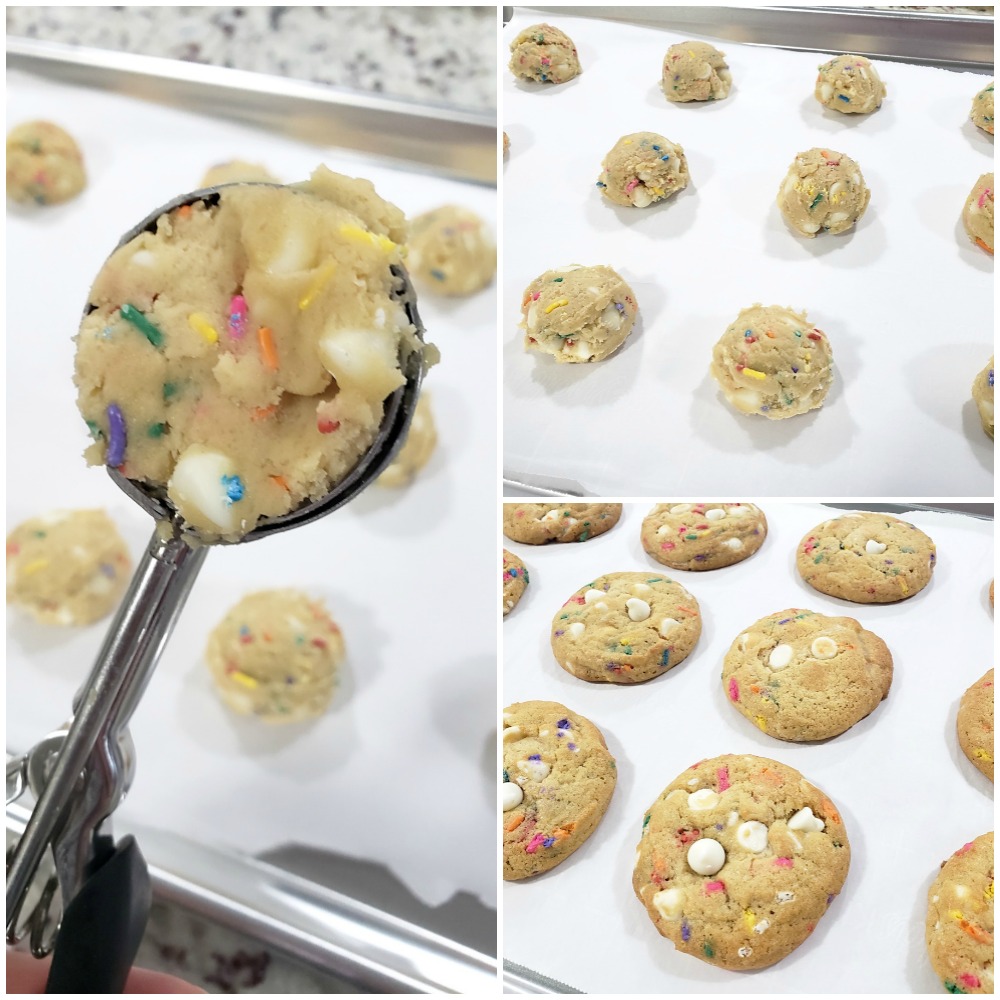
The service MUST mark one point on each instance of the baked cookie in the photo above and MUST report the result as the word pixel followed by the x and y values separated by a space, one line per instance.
pixel 421 440
pixel 557 781
pixel 539 523
pixel 850 85
pixel 695 71
pixel 276 655
pixel 739 859
pixel 451 252
pixel 823 191
pixel 625 628
pixel 772 362
pixel 543 54
pixel 975 724
pixel 705 535
pixel 69 567
pixel 237 172
pixel 977 215
pixel 982 395
pixel 641 169
pixel 960 919
pixel 44 164
pixel 515 579
pixel 801 676
pixel 577 313
pixel 866 558
pixel 981 114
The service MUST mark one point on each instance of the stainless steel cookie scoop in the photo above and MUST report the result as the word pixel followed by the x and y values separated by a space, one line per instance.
pixel 80 774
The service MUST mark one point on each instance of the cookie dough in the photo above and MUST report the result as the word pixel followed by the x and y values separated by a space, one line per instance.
pixel 960 919
pixel 276 655
pixel 982 394
pixel 866 558
pixel 642 169
pixel 238 357
pixel 421 440
pixel 977 216
pixel 543 54
pixel 557 780
pixel 506 144
pixel 801 676
pixel 625 628
pixel 69 567
pixel 823 191
pixel 695 71
pixel 539 523
pixel 44 164
pixel 739 859
pixel 451 252
pixel 705 535
pixel 850 85
pixel 577 313
pixel 982 109
pixel 237 172
pixel 515 580
pixel 772 361
pixel 975 724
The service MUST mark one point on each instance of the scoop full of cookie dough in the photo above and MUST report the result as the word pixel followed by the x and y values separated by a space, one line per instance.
pixel 543 54
pixel 849 84
pixel 695 71
pixel 641 169
pixel 44 164
pixel 823 191
pixel 977 215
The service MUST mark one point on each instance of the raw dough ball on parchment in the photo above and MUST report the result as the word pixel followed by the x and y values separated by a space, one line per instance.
pixel 977 216
pixel 276 655
pixel 772 361
pixel 69 567
pixel 695 71
pixel 451 252
pixel 641 169
pixel 577 313
pixel 982 109
pixel 850 85
pixel 544 54
pixel 235 172
pixel 421 440
pixel 823 191
pixel 44 164
pixel 982 394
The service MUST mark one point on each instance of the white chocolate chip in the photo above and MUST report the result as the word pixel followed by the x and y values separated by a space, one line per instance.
pixel 704 798
pixel 144 258
pixel 961 891
pixel 511 731
pixel 810 227
pixel 534 770
pixel 552 515
pixel 838 217
pixel 745 400
pixel 641 588
pixel 823 647
pixel 364 360
pixel 65 617
pixel 668 903
pixel 796 843
pixel 759 928
pixel 592 595
pixel 680 508
pixel 638 610
pixel 874 548
pixel 576 629
pixel 805 820
pixel 743 641
pixel 692 782
pixel 197 482
pixel 785 897
pixel 780 657
pixel 677 795
pixel 835 189
pixel 745 952
pixel 601 606
pixel 734 818
pixel 666 625
pixel 662 530
pixel 733 543
pixel 706 856
pixel 611 318
pixel 825 91
pixel 752 835
pixel 641 198
pixel 715 514
pixel 512 795
pixel 738 511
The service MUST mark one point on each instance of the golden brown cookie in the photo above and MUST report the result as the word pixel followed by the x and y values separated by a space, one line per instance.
pixel 558 777
pixel 625 628
pixel 801 676
pixel 866 558
pixel 539 523
pixel 739 859
pixel 515 579
pixel 975 724
pixel 44 164
pixel 706 535
pixel 543 54
pixel 960 919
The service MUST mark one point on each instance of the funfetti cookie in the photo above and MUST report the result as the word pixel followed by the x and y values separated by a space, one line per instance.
pixel 539 523
pixel 705 535
pixel 515 579
pixel 975 724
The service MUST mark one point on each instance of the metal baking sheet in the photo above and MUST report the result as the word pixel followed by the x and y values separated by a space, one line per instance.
pixel 204 777
pixel 899 419
pixel 908 794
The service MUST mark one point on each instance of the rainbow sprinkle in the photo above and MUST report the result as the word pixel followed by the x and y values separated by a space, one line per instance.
pixel 237 317
pixel 138 319
pixel 117 436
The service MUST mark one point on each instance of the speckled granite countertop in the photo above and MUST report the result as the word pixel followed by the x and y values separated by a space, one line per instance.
pixel 436 55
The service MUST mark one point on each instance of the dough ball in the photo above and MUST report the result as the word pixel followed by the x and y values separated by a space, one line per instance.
pixel 276 655
pixel 506 144
pixel 823 190
pixel 695 71
pixel 451 251
pixel 641 169
pixel 239 356
pixel 544 54
pixel 982 109
pixel 773 362
pixel 44 164
pixel 234 172
pixel 977 216
pixel 577 313
pixel 850 85
pixel 421 440
pixel 69 567
pixel 982 394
